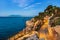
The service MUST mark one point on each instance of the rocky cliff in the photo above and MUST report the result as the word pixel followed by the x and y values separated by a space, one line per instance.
pixel 41 27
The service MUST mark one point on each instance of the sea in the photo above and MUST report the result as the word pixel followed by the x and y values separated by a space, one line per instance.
pixel 9 26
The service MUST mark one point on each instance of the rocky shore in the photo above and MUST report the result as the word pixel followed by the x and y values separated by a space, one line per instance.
pixel 42 27
pixel 32 32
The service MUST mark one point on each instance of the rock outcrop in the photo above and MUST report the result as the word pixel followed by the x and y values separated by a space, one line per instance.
pixel 39 27
pixel 30 32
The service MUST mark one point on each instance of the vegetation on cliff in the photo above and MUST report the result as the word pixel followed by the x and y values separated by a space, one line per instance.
pixel 48 11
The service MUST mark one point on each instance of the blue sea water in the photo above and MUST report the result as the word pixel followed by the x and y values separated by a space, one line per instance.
pixel 11 25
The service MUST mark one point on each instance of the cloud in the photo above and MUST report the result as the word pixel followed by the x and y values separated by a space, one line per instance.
pixel 23 3
pixel 33 5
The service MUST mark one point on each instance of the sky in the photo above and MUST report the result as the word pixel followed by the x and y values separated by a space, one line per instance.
pixel 25 7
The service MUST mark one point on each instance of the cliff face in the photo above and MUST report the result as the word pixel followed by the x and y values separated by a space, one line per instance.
pixel 34 31
pixel 40 27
